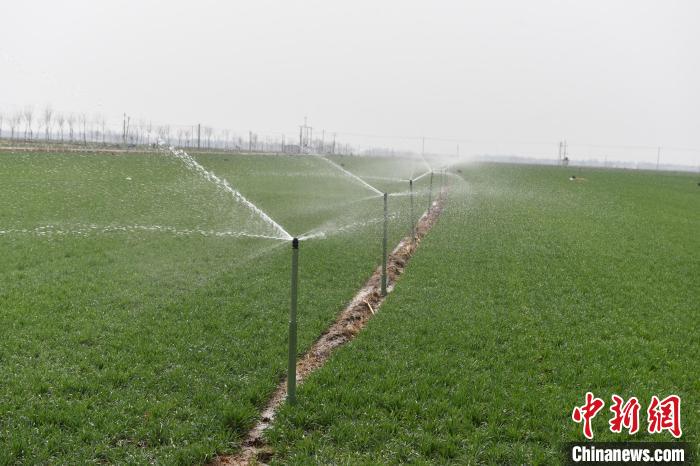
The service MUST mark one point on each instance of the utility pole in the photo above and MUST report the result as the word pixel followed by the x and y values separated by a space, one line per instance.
pixel 125 133
pixel 323 140
pixel 563 161
pixel 199 135
pixel 658 158
pixel 125 129
pixel 333 144
pixel 305 135
pixel 561 145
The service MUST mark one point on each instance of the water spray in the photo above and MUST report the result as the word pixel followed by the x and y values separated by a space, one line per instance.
pixel 430 192
pixel 424 174
pixel 384 243
pixel 292 365
pixel 352 175
pixel 413 225
pixel 224 185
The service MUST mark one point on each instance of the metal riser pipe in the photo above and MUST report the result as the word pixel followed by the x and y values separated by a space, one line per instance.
pixel 413 223
pixel 292 365
pixel 384 244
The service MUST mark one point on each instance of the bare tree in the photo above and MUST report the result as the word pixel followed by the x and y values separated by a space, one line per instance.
pixel 61 121
pixel 125 128
pixel 15 123
pixel 103 125
pixel 149 130
pixel 208 131
pixel 164 133
pixel 48 115
pixel 82 120
pixel 71 127
pixel 28 115
pixel 94 133
pixel 180 133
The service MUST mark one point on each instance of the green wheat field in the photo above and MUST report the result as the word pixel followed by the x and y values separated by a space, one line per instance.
pixel 144 320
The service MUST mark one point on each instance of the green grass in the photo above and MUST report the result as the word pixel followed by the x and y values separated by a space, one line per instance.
pixel 530 291
pixel 134 345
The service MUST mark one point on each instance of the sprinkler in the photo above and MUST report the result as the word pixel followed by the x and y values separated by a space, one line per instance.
pixel 384 241
pixel 292 366
pixel 413 226
pixel 430 191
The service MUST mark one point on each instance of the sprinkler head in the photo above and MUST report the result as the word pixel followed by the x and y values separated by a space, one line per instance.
pixel 295 243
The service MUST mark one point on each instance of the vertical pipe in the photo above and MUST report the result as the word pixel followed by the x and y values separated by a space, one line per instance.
pixel 430 191
pixel 413 225
pixel 384 241
pixel 292 366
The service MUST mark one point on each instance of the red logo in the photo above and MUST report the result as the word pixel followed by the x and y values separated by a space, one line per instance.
pixel 587 412
pixel 662 415
pixel 665 415
pixel 626 415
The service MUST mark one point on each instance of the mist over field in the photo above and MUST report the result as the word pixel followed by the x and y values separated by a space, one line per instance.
pixel 500 78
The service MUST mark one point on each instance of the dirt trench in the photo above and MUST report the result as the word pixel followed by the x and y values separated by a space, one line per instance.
pixel 350 321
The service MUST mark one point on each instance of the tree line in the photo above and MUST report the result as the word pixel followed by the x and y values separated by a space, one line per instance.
pixel 50 126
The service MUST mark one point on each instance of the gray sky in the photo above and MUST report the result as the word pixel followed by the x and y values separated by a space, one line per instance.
pixel 594 72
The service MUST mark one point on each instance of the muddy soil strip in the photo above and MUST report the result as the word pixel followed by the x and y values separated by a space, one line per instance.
pixel 353 318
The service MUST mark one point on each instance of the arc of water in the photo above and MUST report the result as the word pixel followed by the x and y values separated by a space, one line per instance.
pixel 427 165
pixel 323 233
pixel 352 175
pixel 384 178
pixel 85 229
pixel 224 185
pixel 421 176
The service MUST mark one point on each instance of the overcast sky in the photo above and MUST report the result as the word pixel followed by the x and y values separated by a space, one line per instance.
pixel 593 72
